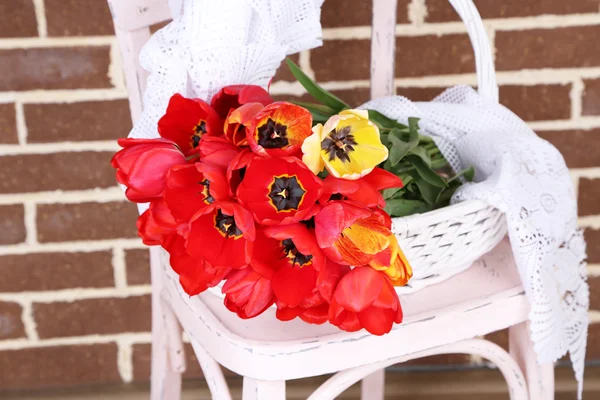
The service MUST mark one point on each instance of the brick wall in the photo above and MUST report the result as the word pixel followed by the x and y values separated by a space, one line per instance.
pixel 74 280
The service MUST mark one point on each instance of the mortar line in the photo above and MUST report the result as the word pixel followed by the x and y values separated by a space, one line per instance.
pixel 40 17
pixel 85 246
pixel 95 195
pixel 30 223
pixel 29 321
pixel 576 96
pixel 133 338
pixel 119 268
pixel 124 359
pixel 46 148
pixel 21 124
pixel 47 42
pixel 417 12
pixel 69 295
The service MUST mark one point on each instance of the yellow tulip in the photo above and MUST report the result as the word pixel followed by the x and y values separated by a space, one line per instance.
pixel 348 145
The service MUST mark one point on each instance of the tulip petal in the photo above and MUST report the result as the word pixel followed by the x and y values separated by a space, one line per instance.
pixel 311 150
pixel 292 284
pixel 378 321
pixel 147 176
pixel 358 289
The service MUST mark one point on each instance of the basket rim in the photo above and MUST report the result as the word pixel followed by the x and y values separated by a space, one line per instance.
pixel 462 207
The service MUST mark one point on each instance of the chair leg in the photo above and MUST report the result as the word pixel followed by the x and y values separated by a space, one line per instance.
pixel 263 390
pixel 372 386
pixel 168 358
pixel 540 378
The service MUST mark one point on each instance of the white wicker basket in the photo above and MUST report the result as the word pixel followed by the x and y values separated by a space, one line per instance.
pixel 441 243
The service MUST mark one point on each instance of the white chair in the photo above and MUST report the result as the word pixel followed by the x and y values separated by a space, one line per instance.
pixel 440 319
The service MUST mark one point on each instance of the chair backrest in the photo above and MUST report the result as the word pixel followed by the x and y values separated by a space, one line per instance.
pixel 132 20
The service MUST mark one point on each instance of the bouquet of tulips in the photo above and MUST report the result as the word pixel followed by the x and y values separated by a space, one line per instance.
pixel 289 204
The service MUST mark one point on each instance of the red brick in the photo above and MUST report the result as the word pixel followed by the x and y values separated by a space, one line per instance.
pixel 434 55
pixel 442 11
pixel 340 60
pixel 18 18
pixel 141 358
pixel 53 171
pixel 55 68
pixel 593 342
pixel 578 147
pixel 96 120
pixel 72 18
pixel 138 266
pixel 283 72
pixel 441 359
pixel 548 48
pixel 8 122
pixel 12 224
pixel 589 193
pixel 93 316
pixel 11 326
pixel 591 97
pixel 55 271
pixel 538 103
pixel 500 338
pixel 58 366
pixel 86 221
pixel 342 13
pixel 420 94
pixel 354 97
pixel 592 238
pixel 594 282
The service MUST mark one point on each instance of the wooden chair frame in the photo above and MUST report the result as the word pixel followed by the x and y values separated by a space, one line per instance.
pixel 440 319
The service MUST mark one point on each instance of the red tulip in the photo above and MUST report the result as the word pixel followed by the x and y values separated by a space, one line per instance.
pixel 217 151
pixel 223 234
pixel 279 191
pixel 279 130
pixel 195 274
pixel 192 187
pixel 187 121
pixel 314 309
pixel 247 293
pixel 238 120
pixel 142 166
pixel 365 190
pixel 289 256
pixel 155 223
pixel 231 97
pixel 365 298
pixel 350 234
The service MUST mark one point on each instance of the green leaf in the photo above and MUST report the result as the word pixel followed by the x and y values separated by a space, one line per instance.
pixel 316 91
pixel 389 193
pixel 399 147
pixel 384 122
pixel 431 194
pixel 422 154
pixel 404 207
pixel 323 109
pixel 468 173
pixel 426 172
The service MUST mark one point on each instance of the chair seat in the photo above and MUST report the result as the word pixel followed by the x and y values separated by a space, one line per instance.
pixel 486 297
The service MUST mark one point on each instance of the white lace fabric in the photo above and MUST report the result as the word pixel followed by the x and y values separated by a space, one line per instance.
pixel 526 178
pixel 211 44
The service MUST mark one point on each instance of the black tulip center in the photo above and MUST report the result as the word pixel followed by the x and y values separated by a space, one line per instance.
pixel 199 130
pixel 208 199
pixel 289 249
pixel 226 224
pixel 272 135
pixel 286 193
pixel 339 144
